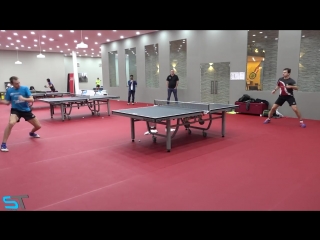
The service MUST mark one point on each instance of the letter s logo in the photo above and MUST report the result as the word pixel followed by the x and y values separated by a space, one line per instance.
pixel 6 200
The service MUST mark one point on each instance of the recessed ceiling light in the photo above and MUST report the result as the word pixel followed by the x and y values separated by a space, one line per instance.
pixel 75 41
pixel 108 40
pixel 12 44
pixel 137 33
pixel 32 33
pixel 42 42
pixel 99 34
pixel 3 30
pixel 17 48
pixel 35 45
pixel 114 30
pixel 121 36
pixel 7 46
pixel 91 49
pixel 51 39
pixel 69 50
pixel 66 44
pixel 36 40
pixel 86 38
pixel 71 30
pixel 29 47
pixel 43 50
pixel 61 51
pixel 95 43
pixel 60 35
pixel 18 40
pixel 16 34
pixel 260 32
pixel 9 38
pixel 44 36
pixel 253 35
pixel 22 45
pixel 253 41
pixel 57 46
pixel 86 54
pixel 24 37
pixel 98 55
pixel 50 48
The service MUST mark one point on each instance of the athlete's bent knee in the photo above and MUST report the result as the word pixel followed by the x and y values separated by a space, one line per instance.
pixel 274 107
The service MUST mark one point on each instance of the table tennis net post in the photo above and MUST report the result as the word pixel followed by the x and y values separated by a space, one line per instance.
pixel 187 105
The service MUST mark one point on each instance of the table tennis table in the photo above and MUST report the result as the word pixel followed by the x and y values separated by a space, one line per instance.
pixel 43 94
pixel 185 113
pixel 92 102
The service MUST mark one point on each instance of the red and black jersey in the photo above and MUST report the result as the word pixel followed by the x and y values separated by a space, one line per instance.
pixel 282 82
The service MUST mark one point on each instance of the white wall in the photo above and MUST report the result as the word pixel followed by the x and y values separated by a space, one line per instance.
pixel 34 71
pixel 91 66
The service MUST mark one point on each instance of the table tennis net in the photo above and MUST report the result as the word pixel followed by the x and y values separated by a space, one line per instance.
pixel 188 105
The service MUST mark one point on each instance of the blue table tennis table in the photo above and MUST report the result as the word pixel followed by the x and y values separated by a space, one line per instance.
pixel 185 113
pixel 43 94
pixel 92 102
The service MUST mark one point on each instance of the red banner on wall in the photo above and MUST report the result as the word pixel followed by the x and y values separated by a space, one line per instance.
pixel 71 83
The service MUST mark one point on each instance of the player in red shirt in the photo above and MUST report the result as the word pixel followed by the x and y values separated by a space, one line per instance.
pixel 286 86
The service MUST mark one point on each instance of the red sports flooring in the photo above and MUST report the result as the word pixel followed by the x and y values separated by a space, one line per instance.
pixel 90 163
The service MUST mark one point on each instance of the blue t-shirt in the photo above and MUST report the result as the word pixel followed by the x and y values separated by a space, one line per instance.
pixel 12 95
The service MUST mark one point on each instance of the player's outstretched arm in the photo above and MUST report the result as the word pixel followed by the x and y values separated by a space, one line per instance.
pixel 277 87
pixel 4 102
pixel 29 99
pixel 294 87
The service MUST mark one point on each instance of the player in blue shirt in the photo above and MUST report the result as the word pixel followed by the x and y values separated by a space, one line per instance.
pixel 51 86
pixel 19 98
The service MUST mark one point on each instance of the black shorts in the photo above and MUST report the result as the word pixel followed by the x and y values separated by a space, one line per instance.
pixel 282 99
pixel 98 86
pixel 20 114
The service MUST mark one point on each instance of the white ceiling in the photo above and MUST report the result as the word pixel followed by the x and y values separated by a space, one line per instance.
pixel 63 41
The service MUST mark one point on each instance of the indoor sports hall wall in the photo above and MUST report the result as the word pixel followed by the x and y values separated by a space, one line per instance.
pixel 34 71
pixel 88 65
pixel 202 47
pixel 297 49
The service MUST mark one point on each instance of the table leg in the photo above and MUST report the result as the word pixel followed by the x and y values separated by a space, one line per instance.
pixel 168 135
pixel 223 123
pixel 132 129
pixel 62 111
pixel 108 107
pixel 95 107
pixel 51 110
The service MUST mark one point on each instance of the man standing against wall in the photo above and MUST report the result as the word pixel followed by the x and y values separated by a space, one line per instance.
pixel 172 84
pixel 132 89
pixel 98 83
